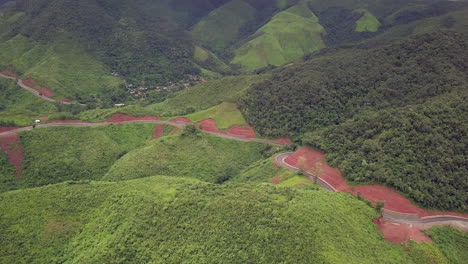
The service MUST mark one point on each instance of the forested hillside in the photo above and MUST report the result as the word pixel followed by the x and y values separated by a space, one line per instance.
pixel 394 115
pixel 331 88
pixel 181 220
pixel 419 149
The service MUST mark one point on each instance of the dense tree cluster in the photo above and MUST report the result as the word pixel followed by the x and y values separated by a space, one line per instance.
pixel 119 33
pixel 329 89
pixel 421 150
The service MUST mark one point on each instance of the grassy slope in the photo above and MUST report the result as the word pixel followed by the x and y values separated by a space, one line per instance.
pixel 202 156
pixel 221 27
pixel 210 61
pixel 428 25
pixel 169 220
pixel 207 94
pixel 287 37
pixel 58 154
pixel 99 115
pixel 452 243
pixel 62 66
pixel 7 173
pixel 19 107
pixel 225 115
pixel 367 23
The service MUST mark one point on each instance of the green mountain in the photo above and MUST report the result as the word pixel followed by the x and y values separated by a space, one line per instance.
pixel 181 220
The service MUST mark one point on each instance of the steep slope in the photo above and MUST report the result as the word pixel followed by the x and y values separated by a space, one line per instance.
pixel 119 34
pixel 221 28
pixel 382 125
pixel 288 36
pixel 419 150
pixel 163 219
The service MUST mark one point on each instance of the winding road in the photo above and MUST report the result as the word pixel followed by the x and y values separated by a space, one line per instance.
pixel 397 217
pixel 392 216
pixel 161 122
pixel 36 93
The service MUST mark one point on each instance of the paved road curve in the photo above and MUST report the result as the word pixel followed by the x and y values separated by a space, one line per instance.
pixel 403 218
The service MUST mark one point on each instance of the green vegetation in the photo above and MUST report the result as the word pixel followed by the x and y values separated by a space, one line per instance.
pixel 19 107
pixel 289 36
pixel 367 22
pixel 388 130
pixel 164 219
pixel 61 65
pixel 225 115
pixel 206 95
pixel 202 156
pixel 7 173
pixel 329 89
pixel 100 115
pixel 58 154
pixel 221 28
pixel 210 61
pixel 451 242
pixel 418 149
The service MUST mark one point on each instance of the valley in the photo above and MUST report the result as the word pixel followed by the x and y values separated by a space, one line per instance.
pixel 233 131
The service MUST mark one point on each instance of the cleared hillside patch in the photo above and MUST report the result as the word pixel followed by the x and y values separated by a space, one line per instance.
pixel 368 22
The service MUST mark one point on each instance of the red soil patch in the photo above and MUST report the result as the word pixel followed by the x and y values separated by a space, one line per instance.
pixel 118 117
pixel 8 73
pixel 398 233
pixel 283 141
pixel 209 125
pixel 245 131
pixel 158 131
pixel 5 129
pixel 10 144
pixel 276 180
pixel 314 162
pixel 47 92
pixel 181 120
pixel 34 85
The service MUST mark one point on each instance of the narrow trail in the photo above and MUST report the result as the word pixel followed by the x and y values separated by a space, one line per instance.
pixel 35 92
pixel 389 215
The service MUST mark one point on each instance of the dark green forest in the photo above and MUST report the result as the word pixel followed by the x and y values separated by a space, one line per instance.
pixel 331 88
pixel 394 115
pixel 419 150
pixel 139 47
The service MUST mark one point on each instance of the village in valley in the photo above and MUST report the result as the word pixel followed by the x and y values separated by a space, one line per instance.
pixel 142 90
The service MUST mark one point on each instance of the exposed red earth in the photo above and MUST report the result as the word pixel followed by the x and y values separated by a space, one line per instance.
pixel 34 85
pixel 9 143
pixel 313 162
pixel 398 233
pixel 244 131
pixel 209 125
pixel 5 129
pixel 8 73
pixel 158 131
pixel 118 117
pixel 276 180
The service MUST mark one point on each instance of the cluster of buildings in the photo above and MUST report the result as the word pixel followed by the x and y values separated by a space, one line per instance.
pixel 140 91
